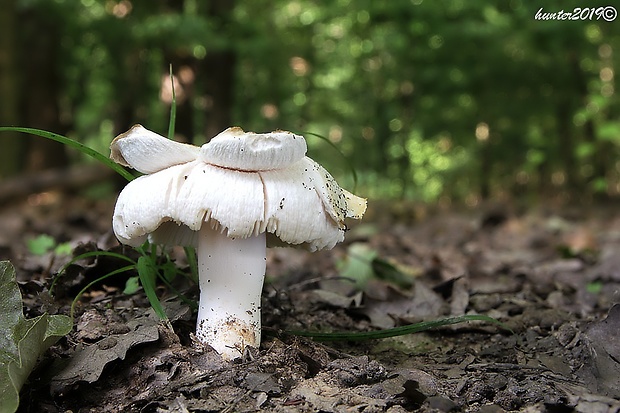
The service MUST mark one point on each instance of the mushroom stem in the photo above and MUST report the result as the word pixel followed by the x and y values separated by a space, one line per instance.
pixel 231 273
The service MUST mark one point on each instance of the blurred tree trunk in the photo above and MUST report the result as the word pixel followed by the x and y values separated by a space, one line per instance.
pixel 484 171
pixel 217 70
pixel 41 88
pixel 129 79
pixel 566 146
pixel 13 145
pixel 598 157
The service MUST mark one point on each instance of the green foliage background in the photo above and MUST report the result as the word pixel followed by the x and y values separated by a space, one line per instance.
pixel 431 100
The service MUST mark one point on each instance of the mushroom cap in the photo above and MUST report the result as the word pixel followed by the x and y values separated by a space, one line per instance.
pixel 249 151
pixel 148 152
pixel 241 183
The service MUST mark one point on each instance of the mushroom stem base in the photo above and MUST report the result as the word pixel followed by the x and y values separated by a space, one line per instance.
pixel 231 274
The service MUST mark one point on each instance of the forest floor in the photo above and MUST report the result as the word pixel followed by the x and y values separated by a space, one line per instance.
pixel 552 277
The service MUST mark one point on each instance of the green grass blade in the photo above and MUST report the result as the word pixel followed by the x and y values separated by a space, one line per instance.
pixel 90 284
pixel 88 255
pixel 74 144
pixel 192 260
pixel 147 271
pixel 346 160
pixel 173 108
pixel 396 331
pixel 191 303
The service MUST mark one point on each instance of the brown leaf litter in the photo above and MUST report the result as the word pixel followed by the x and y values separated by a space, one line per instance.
pixel 552 278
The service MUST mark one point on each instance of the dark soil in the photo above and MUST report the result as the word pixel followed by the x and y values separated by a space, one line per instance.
pixel 553 278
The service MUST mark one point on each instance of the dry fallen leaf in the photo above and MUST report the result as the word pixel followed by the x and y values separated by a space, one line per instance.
pixel 88 363
pixel 392 305
pixel 605 347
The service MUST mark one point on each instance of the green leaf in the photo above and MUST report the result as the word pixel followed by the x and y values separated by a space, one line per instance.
pixel 594 287
pixel 399 275
pixel 357 265
pixel 609 131
pixel 599 185
pixel 64 248
pixel 41 244
pixel 169 271
pixel 132 285
pixel 22 341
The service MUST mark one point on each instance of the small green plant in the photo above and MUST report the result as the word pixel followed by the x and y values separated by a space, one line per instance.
pixel 44 243
pixel 22 341
pixel 150 266
pixel 594 287
pixel 362 263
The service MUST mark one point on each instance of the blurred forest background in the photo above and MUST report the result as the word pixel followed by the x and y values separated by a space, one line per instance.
pixel 432 101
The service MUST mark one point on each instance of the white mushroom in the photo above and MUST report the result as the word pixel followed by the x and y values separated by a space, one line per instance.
pixel 223 198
